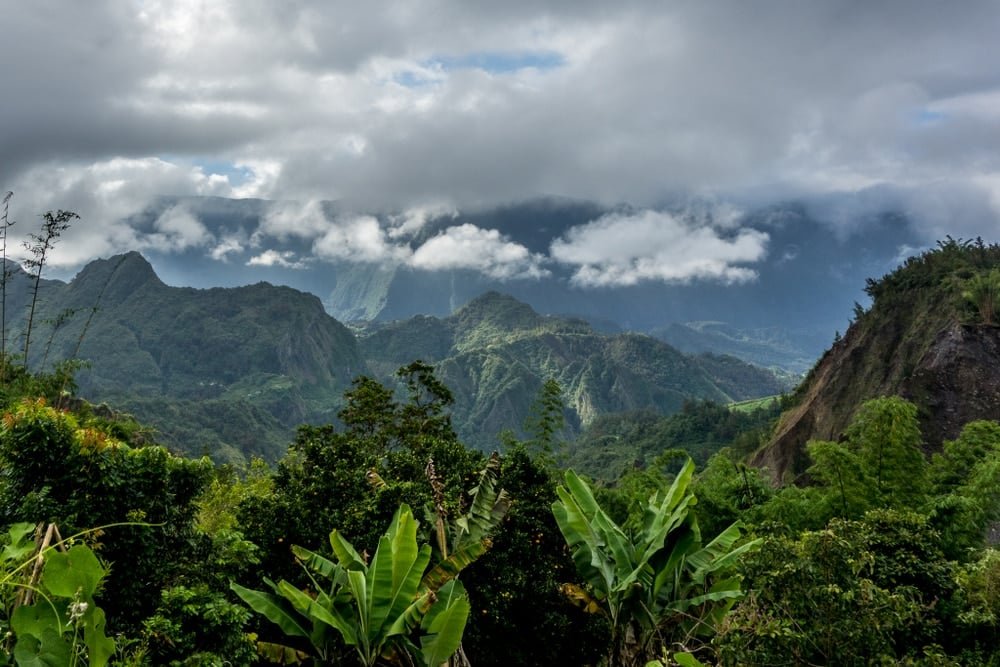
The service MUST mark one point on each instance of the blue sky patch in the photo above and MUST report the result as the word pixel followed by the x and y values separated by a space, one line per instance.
pixel 925 117
pixel 236 175
pixel 500 62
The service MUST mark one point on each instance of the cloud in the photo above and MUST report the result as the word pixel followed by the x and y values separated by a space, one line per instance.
pixel 225 247
pixel 484 250
pixel 283 258
pixel 105 195
pixel 176 229
pixel 386 106
pixel 627 249
pixel 413 219
pixel 358 239
pixel 287 219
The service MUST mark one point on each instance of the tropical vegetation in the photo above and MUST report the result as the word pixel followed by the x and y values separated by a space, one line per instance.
pixel 381 538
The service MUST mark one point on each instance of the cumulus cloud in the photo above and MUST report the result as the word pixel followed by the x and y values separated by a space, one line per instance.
pixel 288 219
pixel 413 219
pixel 176 229
pixel 626 249
pixel 226 246
pixel 358 239
pixel 283 258
pixel 485 250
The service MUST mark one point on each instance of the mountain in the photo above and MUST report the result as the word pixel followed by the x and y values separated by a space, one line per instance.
pixel 922 339
pixel 495 353
pixel 230 371
pixel 804 289
pixel 770 348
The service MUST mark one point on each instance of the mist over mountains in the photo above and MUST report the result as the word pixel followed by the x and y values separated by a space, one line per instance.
pixel 779 275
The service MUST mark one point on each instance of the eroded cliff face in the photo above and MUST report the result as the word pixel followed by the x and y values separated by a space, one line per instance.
pixel 951 371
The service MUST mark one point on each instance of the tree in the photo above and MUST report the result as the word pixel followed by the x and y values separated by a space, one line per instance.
pixel 658 583
pixel 546 419
pixel 812 600
pixel 5 224
pixel 323 480
pixel 58 468
pixel 39 245
pixel 886 435
pixel 520 617
pixel 983 291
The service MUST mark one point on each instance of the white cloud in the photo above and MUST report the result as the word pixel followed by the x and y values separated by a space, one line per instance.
pixel 358 239
pixel 105 194
pixel 177 229
pixel 626 249
pixel 413 219
pixel 288 219
pixel 225 247
pixel 485 250
pixel 283 258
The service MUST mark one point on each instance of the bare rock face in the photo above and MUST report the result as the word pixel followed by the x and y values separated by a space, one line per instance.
pixel 952 376
pixel 957 381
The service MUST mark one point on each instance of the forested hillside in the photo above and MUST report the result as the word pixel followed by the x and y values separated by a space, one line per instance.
pixel 496 353
pixel 230 372
pixel 930 336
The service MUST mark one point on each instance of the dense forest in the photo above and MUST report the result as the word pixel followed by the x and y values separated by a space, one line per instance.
pixel 382 539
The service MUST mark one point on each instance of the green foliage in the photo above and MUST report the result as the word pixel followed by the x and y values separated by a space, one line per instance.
pixel 197 626
pixel 659 584
pixel 373 607
pixel 329 476
pixel 879 465
pixel 519 616
pixel 983 291
pixel 546 420
pixel 616 443
pixel 55 468
pixel 966 476
pixel 728 491
pixel 812 600
pixel 886 434
pixel 49 609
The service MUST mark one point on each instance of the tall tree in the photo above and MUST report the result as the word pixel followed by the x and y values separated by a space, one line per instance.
pixel 546 419
pixel 886 434
pixel 39 246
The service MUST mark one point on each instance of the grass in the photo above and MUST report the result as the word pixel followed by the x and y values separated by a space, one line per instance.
pixel 754 403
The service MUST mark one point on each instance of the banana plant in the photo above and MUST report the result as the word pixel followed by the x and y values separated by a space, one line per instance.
pixel 373 608
pixel 659 582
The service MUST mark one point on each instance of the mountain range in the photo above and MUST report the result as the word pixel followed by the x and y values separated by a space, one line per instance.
pixel 232 371
pixel 798 294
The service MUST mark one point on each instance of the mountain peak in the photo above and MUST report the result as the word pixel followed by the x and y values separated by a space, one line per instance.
pixel 116 277
pixel 494 310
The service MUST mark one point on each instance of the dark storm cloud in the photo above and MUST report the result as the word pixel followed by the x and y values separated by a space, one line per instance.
pixel 395 105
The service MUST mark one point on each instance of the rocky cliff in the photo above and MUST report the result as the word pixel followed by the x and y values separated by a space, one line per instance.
pixel 924 338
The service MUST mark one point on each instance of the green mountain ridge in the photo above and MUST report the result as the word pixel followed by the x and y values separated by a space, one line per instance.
pixel 232 371
pixel 496 352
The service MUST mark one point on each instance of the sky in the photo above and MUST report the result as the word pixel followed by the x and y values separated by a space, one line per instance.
pixel 417 108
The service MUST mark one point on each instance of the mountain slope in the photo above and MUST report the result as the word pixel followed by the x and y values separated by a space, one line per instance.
pixel 920 340
pixel 256 360
pixel 496 352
